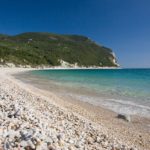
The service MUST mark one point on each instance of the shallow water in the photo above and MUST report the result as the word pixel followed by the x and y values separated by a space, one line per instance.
pixel 121 90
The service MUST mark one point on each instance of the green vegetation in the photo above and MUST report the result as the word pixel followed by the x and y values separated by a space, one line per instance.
pixel 47 49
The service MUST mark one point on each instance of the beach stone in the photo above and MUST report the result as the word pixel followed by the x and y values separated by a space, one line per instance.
pixel 31 144
pixel 124 117
pixel 61 143
pixel 42 146
pixel 6 145
pixel 70 141
pixel 78 144
pixel 104 144
pixel 70 148
pixel 98 139
pixel 50 147
pixel 90 140
pixel 23 143
pixel 59 137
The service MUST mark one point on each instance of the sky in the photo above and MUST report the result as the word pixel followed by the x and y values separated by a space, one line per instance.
pixel 122 25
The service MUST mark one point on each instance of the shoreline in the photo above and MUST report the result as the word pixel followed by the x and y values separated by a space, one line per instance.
pixel 58 67
pixel 119 103
pixel 123 131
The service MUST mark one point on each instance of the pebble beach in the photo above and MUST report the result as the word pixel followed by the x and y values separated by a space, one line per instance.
pixel 30 121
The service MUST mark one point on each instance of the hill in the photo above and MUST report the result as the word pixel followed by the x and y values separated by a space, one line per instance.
pixel 36 49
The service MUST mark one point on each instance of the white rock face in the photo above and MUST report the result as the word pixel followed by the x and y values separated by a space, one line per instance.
pixel 11 65
pixel 114 60
pixel 68 65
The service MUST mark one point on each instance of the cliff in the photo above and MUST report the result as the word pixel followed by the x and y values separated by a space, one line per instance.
pixel 36 49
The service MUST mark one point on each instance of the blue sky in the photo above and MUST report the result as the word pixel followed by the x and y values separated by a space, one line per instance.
pixel 123 25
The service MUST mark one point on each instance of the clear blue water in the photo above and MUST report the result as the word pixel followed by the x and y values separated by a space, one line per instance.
pixel 122 90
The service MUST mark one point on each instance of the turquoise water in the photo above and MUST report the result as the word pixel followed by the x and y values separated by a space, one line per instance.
pixel 122 90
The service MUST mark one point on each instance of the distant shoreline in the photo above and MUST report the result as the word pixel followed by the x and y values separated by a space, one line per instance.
pixel 63 68
pixel 55 67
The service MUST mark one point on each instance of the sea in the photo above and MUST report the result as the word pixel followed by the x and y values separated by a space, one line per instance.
pixel 124 91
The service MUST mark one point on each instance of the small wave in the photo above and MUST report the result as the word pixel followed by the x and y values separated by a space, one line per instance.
pixel 118 106
pixel 129 103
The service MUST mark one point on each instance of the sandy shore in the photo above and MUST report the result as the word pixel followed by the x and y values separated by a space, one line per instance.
pixel 54 122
